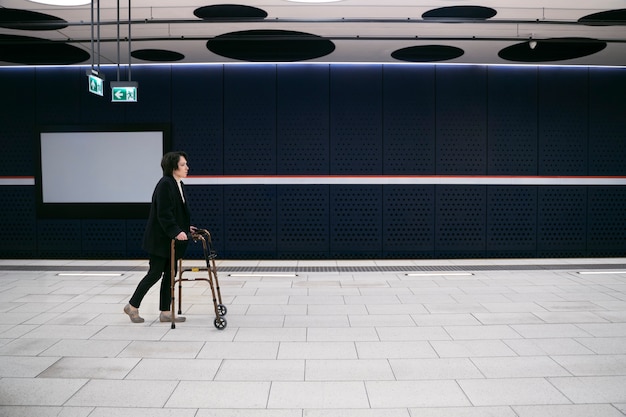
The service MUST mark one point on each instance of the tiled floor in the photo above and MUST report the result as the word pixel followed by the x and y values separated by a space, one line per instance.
pixel 525 341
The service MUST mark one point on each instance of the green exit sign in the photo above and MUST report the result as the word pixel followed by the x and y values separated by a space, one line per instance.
pixel 96 85
pixel 124 91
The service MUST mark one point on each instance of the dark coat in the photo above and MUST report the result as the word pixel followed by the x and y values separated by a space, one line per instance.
pixel 168 217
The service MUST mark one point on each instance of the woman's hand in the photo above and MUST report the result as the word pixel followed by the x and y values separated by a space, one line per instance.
pixel 181 236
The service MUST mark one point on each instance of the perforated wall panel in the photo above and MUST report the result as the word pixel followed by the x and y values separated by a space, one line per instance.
pixel 52 106
pixel 606 224
pixel 250 221
pixel 206 203
pixel 104 239
pixel 562 121
pixel 250 120
pixel 409 120
pixel 356 120
pixel 408 220
pixel 303 120
pixel 134 238
pixel 303 220
pixel 17 122
pixel 511 221
pixel 197 126
pixel 356 221
pixel 461 120
pixel 561 221
pixel 460 220
pixel 153 104
pixel 607 122
pixel 59 239
pixel 18 232
pixel 512 121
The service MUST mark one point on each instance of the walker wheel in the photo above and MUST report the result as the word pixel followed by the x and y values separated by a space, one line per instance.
pixel 221 309
pixel 220 323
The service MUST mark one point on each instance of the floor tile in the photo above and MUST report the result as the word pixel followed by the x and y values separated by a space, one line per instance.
pixel 90 368
pixel 520 367
pixel 311 394
pixel 585 390
pixel 122 393
pixel 175 369
pixel 583 410
pixel 38 391
pixel 261 370
pixel 216 395
pixel 393 394
pixel 348 370
pixel 512 391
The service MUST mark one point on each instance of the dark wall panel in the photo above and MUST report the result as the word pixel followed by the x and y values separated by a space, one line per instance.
pixel 302 121
pixel 607 122
pixel 461 120
pixel 154 104
pixel 511 221
pixel 409 120
pixel 460 220
pixel 356 120
pixel 134 238
pixel 606 221
pixel 250 221
pixel 18 230
pixel 562 221
pixel 512 121
pixel 16 123
pixel 303 228
pixel 59 238
pixel 57 95
pixel 104 239
pixel 250 120
pixel 197 117
pixel 356 221
pixel 563 121
pixel 207 212
pixel 408 220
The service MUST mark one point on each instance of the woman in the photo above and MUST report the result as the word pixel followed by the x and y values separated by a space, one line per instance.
pixel 169 219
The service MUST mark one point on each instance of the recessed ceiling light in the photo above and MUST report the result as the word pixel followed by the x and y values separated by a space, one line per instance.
pixel 63 2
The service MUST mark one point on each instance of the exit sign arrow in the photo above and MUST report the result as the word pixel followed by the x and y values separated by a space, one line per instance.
pixel 124 91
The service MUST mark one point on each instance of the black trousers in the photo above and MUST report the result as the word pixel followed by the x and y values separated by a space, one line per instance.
pixel 160 268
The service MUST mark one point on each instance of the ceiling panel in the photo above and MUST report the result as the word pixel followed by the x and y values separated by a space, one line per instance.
pixel 361 30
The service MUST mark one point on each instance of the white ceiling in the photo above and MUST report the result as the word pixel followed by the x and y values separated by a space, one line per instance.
pixel 362 30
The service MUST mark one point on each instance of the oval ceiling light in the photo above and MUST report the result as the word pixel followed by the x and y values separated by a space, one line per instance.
pixel 553 49
pixel 229 12
pixel 36 51
pixel 29 20
pixel 62 2
pixel 427 53
pixel 459 13
pixel 270 46
pixel 157 55
pixel 605 18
